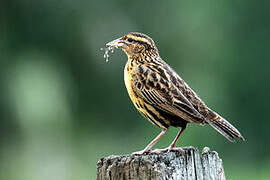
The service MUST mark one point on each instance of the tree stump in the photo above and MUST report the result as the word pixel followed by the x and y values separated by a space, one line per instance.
pixel 187 165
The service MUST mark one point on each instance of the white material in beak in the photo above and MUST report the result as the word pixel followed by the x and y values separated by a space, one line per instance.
pixel 115 43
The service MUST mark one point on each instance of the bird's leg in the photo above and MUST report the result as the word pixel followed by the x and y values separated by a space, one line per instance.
pixel 151 144
pixel 172 145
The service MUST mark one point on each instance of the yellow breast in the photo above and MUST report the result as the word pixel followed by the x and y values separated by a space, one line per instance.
pixel 128 83
pixel 139 103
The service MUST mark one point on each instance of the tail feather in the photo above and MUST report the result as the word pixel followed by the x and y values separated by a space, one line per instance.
pixel 224 128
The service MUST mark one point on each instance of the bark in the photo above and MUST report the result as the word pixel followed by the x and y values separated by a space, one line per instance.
pixel 187 165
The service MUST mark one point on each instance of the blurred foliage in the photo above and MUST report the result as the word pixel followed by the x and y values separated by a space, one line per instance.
pixel 62 107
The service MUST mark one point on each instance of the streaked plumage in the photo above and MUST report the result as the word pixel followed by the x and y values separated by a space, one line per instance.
pixel 160 94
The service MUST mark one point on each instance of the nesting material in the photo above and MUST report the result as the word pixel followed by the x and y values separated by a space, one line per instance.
pixel 107 50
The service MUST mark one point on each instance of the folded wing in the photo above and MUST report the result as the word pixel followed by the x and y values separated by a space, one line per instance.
pixel 155 89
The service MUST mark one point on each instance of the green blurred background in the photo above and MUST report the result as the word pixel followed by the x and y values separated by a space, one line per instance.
pixel 62 107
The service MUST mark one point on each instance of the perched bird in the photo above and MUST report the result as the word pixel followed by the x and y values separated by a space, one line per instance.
pixel 161 95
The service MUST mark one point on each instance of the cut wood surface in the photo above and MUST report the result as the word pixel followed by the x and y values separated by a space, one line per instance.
pixel 187 165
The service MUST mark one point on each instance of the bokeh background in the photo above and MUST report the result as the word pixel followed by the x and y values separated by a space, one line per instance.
pixel 62 107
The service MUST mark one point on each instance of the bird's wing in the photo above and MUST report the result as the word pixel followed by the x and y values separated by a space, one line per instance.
pixel 160 92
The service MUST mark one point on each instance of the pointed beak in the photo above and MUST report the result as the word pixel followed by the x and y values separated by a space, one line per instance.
pixel 118 43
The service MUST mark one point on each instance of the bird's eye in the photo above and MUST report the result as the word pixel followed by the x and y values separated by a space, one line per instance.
pixel 130 40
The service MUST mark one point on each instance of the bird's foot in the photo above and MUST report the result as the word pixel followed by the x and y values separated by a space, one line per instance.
pixel 168 149
pixel 141 152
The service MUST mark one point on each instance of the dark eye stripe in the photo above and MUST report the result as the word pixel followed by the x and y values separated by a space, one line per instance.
pixel 137 41
pixel 146 44
pixel 143 43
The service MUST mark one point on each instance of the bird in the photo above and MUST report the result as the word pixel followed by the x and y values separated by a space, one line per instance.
pixel 161 95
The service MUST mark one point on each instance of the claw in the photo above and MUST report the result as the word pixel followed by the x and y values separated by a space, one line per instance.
pixel 141 152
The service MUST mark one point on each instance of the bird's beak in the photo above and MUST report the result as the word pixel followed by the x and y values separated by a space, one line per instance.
pixel 118 43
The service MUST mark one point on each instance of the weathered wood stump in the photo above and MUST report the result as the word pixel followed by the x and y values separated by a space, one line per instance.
pixel 187 165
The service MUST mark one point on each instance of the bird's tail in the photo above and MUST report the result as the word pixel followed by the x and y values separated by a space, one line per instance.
pixel 223 127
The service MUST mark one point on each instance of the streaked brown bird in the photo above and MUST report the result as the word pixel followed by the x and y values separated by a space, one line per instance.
pixel 161 95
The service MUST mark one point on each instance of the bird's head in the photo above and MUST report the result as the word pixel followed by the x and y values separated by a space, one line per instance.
pixel 135 44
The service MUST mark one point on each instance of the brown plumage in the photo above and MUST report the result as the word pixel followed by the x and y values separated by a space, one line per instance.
pixel 161 95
